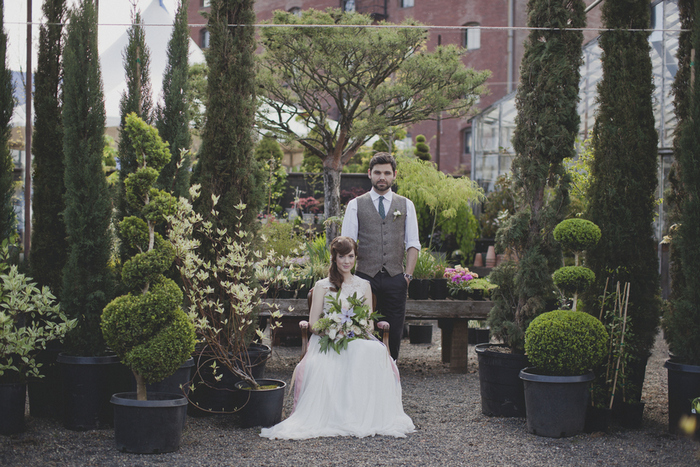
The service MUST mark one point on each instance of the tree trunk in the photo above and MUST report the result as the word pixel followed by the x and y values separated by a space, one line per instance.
pixel 331 194
pixel 140 387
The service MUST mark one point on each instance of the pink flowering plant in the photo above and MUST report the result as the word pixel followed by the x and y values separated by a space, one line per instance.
pixel 344 321
pixel 458 278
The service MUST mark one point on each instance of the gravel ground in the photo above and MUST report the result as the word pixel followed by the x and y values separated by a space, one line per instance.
pixel 445 407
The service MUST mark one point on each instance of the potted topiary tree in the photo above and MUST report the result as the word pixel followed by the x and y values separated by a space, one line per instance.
pixel 29 320
pixel 147 328
pixel 563 346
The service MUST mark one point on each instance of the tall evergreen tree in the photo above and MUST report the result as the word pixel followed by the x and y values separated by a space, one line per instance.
pixel 624 172
pixel 49 248
pixel 8 219
pixel 682 318
pixel 136 98
pixel 87 282
pixel 681 103
pixel 227 167
pixel 546 127
pixel 173 119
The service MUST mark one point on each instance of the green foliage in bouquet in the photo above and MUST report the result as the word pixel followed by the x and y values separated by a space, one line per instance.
pixel 565 342
pixel 340 325
pixel 147 328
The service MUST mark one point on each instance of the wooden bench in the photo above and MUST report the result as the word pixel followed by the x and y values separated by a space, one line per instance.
pixel 452 317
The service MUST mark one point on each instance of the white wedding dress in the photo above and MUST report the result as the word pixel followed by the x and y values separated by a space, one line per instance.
pixel 354 393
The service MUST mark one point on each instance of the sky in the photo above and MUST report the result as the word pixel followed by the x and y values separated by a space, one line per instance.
pixel 114 20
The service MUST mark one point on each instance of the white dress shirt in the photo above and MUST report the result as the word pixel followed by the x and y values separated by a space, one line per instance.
pixel 350 226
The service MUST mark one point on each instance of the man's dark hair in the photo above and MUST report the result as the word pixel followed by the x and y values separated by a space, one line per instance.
pixel 382 158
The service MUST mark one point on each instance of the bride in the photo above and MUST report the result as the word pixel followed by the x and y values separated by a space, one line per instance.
pixel 356 392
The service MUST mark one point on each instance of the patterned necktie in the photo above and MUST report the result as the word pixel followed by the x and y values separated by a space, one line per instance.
pixel 381 207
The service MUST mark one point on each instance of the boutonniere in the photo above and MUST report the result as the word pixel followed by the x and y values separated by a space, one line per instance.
pixel 397 213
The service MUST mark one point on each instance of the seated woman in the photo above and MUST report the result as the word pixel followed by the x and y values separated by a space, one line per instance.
pixel 356 392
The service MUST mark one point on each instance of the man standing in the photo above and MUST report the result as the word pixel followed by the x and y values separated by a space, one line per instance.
pixel 385 227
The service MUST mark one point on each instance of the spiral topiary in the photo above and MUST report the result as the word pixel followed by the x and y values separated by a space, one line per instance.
pixel 565 342
pixel 422 150
pixel 147 328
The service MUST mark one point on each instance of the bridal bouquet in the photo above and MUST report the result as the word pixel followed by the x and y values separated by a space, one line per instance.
pixel 341 324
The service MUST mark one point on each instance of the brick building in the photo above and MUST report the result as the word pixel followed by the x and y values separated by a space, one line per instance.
pixel 491 31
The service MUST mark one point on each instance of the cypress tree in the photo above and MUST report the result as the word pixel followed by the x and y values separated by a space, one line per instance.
pixel 681 102
pixel 136 98
pixel 546 127
pixel 624 173
pixel 682 318
pixel 173 119
pixel 8 219
pixel 227 165
pixel 49 248
pixel 87 282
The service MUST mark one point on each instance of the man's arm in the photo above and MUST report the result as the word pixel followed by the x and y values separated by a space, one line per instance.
pixel 350 225
pixel 411 258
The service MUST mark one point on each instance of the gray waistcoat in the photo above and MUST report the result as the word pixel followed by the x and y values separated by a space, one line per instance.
pixel 380 242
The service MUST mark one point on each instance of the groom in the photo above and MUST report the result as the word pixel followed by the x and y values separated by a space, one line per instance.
pixel 385 227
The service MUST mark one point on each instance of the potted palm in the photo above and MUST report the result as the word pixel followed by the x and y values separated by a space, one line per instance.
pixel 29 320
pixel 147 327
pixel 223 296
pixel 563 346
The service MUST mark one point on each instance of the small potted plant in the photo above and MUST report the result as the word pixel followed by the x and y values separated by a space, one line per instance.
pixel 458 279
pixel 221 292
pixel 563 347
pixel 29 319
pixel 437 289
pixel 147 327
pixel 418 289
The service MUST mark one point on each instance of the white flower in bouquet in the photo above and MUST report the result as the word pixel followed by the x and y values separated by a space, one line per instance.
pixel 344 322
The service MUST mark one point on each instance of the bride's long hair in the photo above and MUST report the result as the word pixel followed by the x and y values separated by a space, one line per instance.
pixel 339 246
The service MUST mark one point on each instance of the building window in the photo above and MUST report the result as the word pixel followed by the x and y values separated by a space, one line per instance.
pixel 348 5
pixel 206 3
pixel 204 39
pixel 406 3
pixel 296 11
pixel 467 135
pixel 472 36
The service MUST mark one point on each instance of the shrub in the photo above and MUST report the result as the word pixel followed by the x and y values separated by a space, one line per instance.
pixel 577 234
pixel 422 150
pixel 565 343
pixel 573 279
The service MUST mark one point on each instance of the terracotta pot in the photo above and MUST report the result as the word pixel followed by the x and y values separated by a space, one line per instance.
pixel 491 257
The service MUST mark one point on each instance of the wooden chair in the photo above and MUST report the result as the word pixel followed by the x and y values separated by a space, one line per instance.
pixel 383 326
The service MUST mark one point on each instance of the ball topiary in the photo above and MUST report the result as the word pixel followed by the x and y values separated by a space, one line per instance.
pixel 573 279
pixel 577 234
pixel 565 343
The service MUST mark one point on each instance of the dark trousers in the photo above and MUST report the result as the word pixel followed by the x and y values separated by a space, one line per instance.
pixel 391 303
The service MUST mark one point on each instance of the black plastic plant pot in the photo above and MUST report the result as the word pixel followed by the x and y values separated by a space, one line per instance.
pixel 683 388
pixel 555 405
pixel 420 333
pixel 438 289
pixel 212 395
pixel 419 289
pixel 88 384
pixel 261 407
pixel 153 426
pixel 502 393
pixel 12 399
